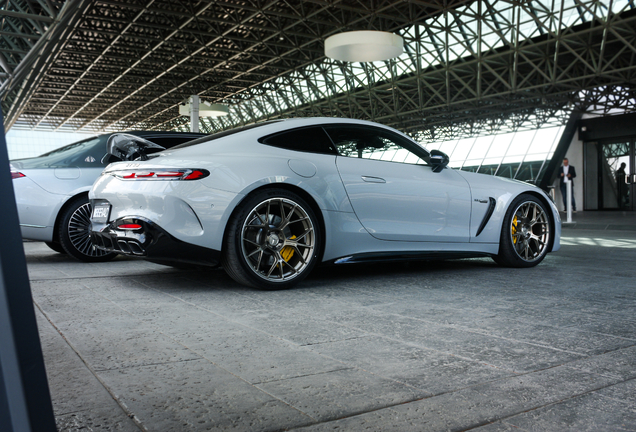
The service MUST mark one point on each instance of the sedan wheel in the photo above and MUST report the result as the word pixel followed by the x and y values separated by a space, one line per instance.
pixel 56 247
pixel 273 241
pixel 526 234
pixel 74 233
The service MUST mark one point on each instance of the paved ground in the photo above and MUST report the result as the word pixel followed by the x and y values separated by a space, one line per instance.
pixel 455 345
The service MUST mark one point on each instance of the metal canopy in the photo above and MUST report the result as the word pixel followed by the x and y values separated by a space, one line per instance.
pixel 468 68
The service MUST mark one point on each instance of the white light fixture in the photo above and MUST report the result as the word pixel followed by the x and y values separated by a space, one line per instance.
pixel 195 109
pixel 206 109
pixel 364 46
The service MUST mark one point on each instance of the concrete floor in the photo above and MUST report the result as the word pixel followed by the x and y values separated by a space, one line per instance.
pixel 455 345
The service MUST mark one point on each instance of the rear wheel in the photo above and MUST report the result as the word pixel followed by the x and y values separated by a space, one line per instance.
pixel 526 234
pixel 273 240
pixel 74 232
pixel 56 247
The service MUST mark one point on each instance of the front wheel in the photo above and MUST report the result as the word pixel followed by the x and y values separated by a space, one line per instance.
pixel 273 240
pixel 74 232
pixel 527 233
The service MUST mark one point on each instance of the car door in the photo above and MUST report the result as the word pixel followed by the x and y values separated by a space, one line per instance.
pixel 394 192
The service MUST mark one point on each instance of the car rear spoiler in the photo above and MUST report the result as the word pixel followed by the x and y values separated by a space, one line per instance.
pixel 127 147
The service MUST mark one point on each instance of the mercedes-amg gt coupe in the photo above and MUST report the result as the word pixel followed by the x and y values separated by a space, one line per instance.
pixel 270 201
pixel 51 191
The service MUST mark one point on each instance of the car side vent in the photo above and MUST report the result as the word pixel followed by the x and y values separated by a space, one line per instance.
pixel 489 212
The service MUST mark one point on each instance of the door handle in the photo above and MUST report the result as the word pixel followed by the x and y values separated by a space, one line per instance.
pixel 370 179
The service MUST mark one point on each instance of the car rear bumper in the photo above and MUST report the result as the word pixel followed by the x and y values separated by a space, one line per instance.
pixel 150 242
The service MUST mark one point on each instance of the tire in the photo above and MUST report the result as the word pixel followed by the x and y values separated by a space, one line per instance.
pixel 526 234
pixel 56 247
pixel 73 229
pixel 273 240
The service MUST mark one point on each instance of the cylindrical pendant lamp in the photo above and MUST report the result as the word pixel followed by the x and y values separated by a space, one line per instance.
pixel 213 110
pixel 364 46
pixel 206 109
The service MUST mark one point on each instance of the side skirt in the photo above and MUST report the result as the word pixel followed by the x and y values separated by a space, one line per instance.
pixel 407 256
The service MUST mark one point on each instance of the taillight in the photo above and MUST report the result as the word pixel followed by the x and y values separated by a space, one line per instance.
pixel 16 174
pixel 169 174
pixel 144 174
pixel 196 174
pixel 129 226
pixel 162 174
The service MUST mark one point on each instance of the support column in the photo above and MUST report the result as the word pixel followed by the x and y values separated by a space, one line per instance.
pixel 568 207
pixel 194 113
pixel 25 401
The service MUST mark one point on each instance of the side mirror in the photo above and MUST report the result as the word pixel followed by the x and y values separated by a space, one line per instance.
pixel 438 160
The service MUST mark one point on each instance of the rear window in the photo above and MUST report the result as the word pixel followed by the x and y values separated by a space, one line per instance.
pixel 311 139
pixel 86 153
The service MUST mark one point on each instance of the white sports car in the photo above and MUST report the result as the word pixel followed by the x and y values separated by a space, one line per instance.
pixel 270 201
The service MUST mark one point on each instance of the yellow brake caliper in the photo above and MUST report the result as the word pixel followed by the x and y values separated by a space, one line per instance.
pixel 287 252
pixel 514 230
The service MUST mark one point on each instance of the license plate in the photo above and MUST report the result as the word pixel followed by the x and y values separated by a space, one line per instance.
pixel 101 213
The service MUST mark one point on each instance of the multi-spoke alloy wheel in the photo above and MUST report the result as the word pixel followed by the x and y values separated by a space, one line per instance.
pixel 530 231
pixel 278 239
pixel 273 241
pixel 73 231
pixel 526 234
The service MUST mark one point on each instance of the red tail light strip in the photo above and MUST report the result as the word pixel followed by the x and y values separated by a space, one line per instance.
pixel 162 174
pixel 144 174
pixel 196 174
pixel 170 174
pixel 16 174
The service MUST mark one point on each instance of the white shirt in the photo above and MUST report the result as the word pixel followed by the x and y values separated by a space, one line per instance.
pixel 566 168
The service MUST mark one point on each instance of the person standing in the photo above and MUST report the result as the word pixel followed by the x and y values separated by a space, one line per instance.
pixel 621 175
pixel 567 175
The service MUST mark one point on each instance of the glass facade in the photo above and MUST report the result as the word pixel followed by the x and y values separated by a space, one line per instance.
pixel 522 155
pixel 26 143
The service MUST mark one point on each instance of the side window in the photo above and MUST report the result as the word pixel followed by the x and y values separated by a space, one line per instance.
pixel 367 142
pixel 309 139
